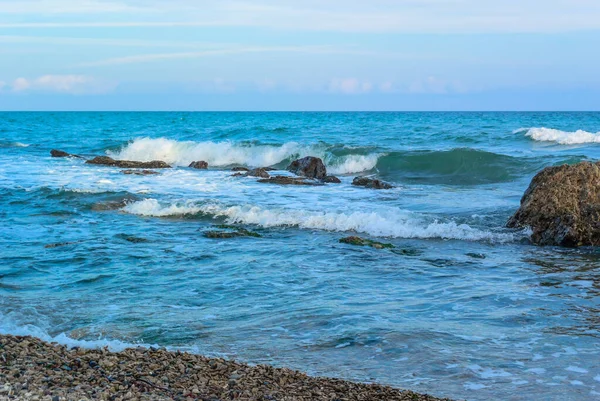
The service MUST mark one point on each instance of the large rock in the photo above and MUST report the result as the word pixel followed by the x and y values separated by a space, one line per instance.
pixel 108 161
pixel 200 165
pixel 311 167
pixel 283 180
pixel 61 153
pixel 562 206
pixel 258 172
pixel 371 183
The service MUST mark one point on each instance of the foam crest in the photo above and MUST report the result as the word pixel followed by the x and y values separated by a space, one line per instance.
pixel 220 154
pixel 152 208
pixel 215 153
pixel 353 164
pixel 560 137
pixel 396 224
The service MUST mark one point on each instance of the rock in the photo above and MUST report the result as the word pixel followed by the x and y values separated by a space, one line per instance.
pixel 365 242
pixel 139 172
pixel 240 169
pixel 562 206
pixel 109 161
pixel 331 179
pixel 59 244
pixel 311 167
pixel 371 183
pixel 201 165
pixel 60 153
pixel 284 180
pixel 231 232
pixel 259 172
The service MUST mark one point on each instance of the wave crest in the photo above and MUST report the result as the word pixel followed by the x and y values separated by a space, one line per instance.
pixel 543 134
pixel 396 224
pixel 222 154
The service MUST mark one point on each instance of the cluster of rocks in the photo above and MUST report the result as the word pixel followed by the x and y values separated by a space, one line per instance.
pixel 353 240
pixel 31 369
pixel 229 231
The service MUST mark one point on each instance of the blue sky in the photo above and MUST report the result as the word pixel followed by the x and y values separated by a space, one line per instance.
pixel 299 55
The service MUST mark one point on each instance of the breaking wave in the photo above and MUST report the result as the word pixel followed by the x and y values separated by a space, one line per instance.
pixel 222 154
pixel 561 137
pixel 396 224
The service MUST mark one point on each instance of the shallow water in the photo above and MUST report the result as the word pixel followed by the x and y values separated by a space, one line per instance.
pixel 462 307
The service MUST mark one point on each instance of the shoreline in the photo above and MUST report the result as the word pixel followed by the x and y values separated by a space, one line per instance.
pixel 32 369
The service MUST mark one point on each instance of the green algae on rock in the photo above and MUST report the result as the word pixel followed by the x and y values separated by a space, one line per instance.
pixel 353 240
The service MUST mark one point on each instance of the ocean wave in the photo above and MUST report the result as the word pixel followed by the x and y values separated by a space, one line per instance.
pixel 459 166
pixel 6 144
pixel 12 327
pixel 561 137
pixel 222 154
pixel 394 224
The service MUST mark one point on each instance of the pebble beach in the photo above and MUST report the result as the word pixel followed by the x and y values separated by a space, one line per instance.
pixel 31 369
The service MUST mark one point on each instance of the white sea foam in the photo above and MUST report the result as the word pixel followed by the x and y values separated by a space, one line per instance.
pixel 151 207
pixel 560 137
pixel 218 154
pixel 7 326
pixel 397 224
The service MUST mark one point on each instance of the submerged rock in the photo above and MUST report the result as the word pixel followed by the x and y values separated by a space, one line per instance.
pixel 331 179
pixel 353 240
pixel 240 169
pixel 284 180
pixel 309 166
pixel 200 165
pixel 562 206
pixel 59 244
pixel 371 183
pixel 140 172
pixel 60 153
pixel 109 161
pixel 229 231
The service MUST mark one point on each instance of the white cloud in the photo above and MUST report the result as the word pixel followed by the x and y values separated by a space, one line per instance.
pixel 350 86
pixel 2 85
pixel 422 16
pixel 435 85
pixel 72 84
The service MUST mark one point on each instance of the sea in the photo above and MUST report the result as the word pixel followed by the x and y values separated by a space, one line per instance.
pixel 461 307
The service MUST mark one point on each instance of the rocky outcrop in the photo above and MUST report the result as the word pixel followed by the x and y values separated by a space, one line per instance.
pixel 562 206
pixel 200 165
pixel 371 183
pixel 140 172
pixel 258 172
pixel 240 169
pixel 60 153
pixel 310 167
pixel 331 179
pixel 353 240
pixel 284 180
pixel 109 161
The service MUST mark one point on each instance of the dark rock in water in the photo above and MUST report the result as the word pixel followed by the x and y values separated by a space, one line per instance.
pixel 60 153
pixel 59 244
pixel 562 206
pixel 365 242
pixel 268 168
pixel 200 165
pixel 259 172
pixel 139 172
pixel 109 161
pixel 475 255
pixel 240 169
pixel 131 238
pixel 229 231
pixel 311 167
pixel 283 180
pixel 371 183
pixel 331 179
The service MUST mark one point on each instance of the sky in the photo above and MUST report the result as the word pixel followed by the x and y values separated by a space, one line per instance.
pixel 299 55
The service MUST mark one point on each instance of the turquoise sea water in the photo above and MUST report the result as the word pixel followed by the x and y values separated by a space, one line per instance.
pixel 462 307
